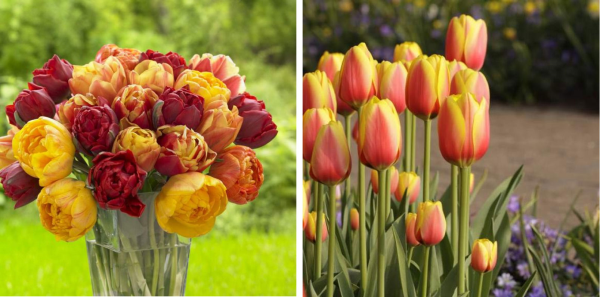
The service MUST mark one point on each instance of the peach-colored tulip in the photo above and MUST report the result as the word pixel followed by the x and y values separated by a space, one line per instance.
pixel 330 63
pixel 411 224
pixel 409 183
pixel 392 83
pixel 431 223
pixel 358 76
pixel 128 57
pixel 393 180
pixel 380 140
pixel 223 68
pixel 311 227
pixel 104 79
pixel 153 75
pixel 330 163
pixel 354 219
pixel 427 85
pixel 454 67
pixel 462 130
pixel 219 125
pixel 484 255
pixel 317 91
pixel 312 121
pixel 342 107
pixel 466 41
pixel 407 51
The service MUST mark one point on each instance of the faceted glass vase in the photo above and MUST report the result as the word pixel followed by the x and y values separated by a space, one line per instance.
pixel 131 256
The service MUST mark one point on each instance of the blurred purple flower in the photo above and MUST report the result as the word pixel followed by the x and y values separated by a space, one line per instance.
pixel 386 31
pixel 477 12
pixel 523 270
pixel 574 270
pixel 537 291
pixel 502 293
pixel 513 204
pixel 505 280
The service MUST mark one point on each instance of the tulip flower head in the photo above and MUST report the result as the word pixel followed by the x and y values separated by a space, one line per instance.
pixel 312 121
pixel 409 184
pixel 69 109
pixel 411 223
pixel 7 157
pixel 484 255
pixel 220 125
pixel 311 227
pixel 134 106
pixel 431 223
pixel 380 140
pixel 407 51
pixel 392 83
pixel 174 60
pixel 463 131
pixel 393 180
pixel 258 127
pixel 153 75
pixel 30 104
pixel 104 79
pixel 304 208
pixel 203 84
pixel 473 82
pixel 54 77
pixel 358 76
pixel 354 219
pixel 330 163
pixel 427 86
pixel 178 107
pixel 454 67
pixel 18 185
pixel 182 150
pixel 342 107
pixel 129 57
pixel 223 68
pixel 466 41
pixel 330 63
pixel 95 129
pixel 142 143
pixel 317 91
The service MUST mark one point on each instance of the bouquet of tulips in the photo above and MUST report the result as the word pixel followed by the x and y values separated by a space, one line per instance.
pixel 88 142
pixel 403 246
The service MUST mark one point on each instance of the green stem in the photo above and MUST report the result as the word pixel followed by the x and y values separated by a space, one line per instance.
pixel 151 222
pixel 413 142
pixel 174 263
pixel 381 234
pixel 362 222
pixel 348 127
pixel 388 194
pixel 454 223
pixel 319 230
pixel 407 141
pixel 426 160
pixel 425 274
pixel 480 287
pixel 463 229
pixel 332 239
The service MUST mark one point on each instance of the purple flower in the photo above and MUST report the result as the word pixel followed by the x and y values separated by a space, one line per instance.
pixel 513 204
pixel 523 269
pixel 502 293
pixel 505 280
pixel 574 270
pixel 537 291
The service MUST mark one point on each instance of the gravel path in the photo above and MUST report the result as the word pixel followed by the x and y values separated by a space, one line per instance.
pixel 558 148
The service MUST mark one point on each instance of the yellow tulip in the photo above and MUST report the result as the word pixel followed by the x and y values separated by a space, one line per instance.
pixel 203 84
pixel 6 152
pixel 104 79
pixel 153 75
pixel 141 142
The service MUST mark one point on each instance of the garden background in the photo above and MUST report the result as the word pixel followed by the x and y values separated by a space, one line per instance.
pixel 252 249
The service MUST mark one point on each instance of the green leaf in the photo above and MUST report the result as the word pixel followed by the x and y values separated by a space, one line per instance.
pixel 406 283
pixel 525 287
pixel 584 254
pixel 444 250
pixel 433 186
pixel 478 185
pixel 547 280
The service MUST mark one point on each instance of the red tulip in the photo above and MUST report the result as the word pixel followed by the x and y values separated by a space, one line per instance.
pixel 466 41
pixel 380 140
pixel 176 61
pixel 312 121
pixel 95 129
pixel 358 77
pixel 18 185
pixel 30 104
pixel 427 85
pixel 178 107
pixel 54 77
pixel 258 127
pixel 330 163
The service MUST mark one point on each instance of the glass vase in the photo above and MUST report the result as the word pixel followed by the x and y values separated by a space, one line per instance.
pixel 134 256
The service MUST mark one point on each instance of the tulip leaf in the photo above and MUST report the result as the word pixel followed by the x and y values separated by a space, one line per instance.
pixel 406 283
pixel 370 288
pixel 343 277
pixel 584 255
pixel 433 186
pixel 446 255
pixel 479 185
pixel 547 280
pixel 312 291
pixel 434 270
pixel 448 287
pixel 525 287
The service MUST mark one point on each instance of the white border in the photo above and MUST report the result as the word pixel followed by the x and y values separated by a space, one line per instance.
pixel 299 179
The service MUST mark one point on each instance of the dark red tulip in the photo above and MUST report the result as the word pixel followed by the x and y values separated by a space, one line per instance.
pixel 54 76
pixel 176 61
pixel 18 185
pixel 258 127
pixel 95 129
pixel 178 107
pixel 116 179
pixel 31 104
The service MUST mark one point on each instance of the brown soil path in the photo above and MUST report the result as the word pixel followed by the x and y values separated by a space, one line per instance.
pixel 559 149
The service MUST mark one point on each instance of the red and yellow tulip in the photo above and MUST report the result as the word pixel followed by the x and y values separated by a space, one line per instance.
pixel 407 51
pixel 431 223
pixel 393 180
pixel 358 76
pixel 466 41
pixel 312 121
pixel 330 63
pixel 473 82
pixel 411 224
pixel 392 83
pixel 484 255
pixel 409 183
pixel 330 163
pixel 310 231
pixel 427 85
pixel 380 140
pixel 317 91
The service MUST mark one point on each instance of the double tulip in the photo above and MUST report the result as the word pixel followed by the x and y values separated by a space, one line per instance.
pixel 466 41
pixel 223 68
pixel 30 104
pixel 220 125
pixel 68 110
pixel 258 127
pixel 379 124
pixel 317 91
pixel 463 129
pixel 128 57
pixel 95 129
pixel 484 255
pixel 54 77
pixel 358 77
pixel 174 60
pixel 311 227
pixel 104 79
pixel 178 107
pixel 203 84
pixel 182 150
pixel 142 143
pixel 312 121
pixel 7 156
pixel 392 83
pixel 407 51
pixel 427 86
pixel 409 184
pixel 430 227
pixel 330 163
pixel 153 75
pixel 134 106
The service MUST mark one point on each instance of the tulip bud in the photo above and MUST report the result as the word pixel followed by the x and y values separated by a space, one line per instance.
pixel 18 185
pixel 220 126
pixel 128 57
pixel 427 86
pixel 392 83
pixel 330 163
pixel 312 121
pixel 134 106
pixel 471 182
pixel 462 130
pixel 205 85
pixel 178 107
pixel 411 223
pixel 407 51
pixel 431 223
pixel 311 227
pixel 174 60
pixel 409 183
pixel 317 91
pixel 223 68
pixel 68 110
pixel 104 79
pixel 54 77
pixel 31 104
pixel 358 77
pixel 152 75
pixel 466 41
pixel 142 143
pixel 393 180
pixel 354 219
pixel 454 67
pixel 258 127
pixel 484 255
pixel 330 63
pixel 378 125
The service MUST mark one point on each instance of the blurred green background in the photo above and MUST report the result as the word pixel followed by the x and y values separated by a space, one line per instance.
pixel 251 244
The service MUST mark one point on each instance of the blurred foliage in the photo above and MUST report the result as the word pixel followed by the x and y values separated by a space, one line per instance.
pixel 538 51
pixel 259 35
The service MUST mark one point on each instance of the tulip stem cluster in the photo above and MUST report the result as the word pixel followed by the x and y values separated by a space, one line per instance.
pixel 480 286
pixel 348 130
pixel 381 207
pixel 426 160
pixel 332 240
pixel 425 273
pixel 454 223
pixel 362 219
pixel 463 228
pixel 319 232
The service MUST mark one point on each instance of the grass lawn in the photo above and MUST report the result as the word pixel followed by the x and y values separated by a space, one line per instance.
pixel 33 263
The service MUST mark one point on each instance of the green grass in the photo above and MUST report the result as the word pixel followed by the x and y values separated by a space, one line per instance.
pixel 238 263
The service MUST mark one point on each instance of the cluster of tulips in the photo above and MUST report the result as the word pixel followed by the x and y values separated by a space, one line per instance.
pixel 96 135
pixel 449 88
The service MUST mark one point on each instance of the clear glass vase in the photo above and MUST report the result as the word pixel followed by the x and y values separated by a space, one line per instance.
pixel 134 256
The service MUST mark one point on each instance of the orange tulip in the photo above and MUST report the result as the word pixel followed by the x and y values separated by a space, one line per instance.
pixel 427 85
pixel 484 255
pixel 317 91
pixel 311 227
pixel 462 130
pixel 312 120
pixel 380 140
pixel 220 125
pixel 358 77
pixel 330 63
pixel 392 83
pixel 407 51
pixel 342 107
pixel 431 223
pixel 104 79
pixel 411 223
pixel 466 41
pixel 409 183
pixel 354 219
pixel 393 180
pixel 330 163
